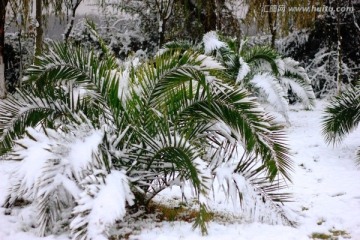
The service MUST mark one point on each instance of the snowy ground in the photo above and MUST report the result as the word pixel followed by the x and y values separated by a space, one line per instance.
pixel 326 189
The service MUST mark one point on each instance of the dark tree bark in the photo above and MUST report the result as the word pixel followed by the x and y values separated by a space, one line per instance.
pixel 272 17
pixel 39 28
pixel 3 4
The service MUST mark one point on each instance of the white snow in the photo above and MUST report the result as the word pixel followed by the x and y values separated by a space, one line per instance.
pixel 325 189
pixel 271 91
pixel 108 206
pixel 212 42
pixel 82 149
pixel 243 70
pixel 239 8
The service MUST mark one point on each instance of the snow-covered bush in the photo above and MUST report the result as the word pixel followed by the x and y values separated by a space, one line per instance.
pixel 323 71
pixel 261 70
pixel 19 54
pixel 121 33
pixel 100 134
pixel 63 176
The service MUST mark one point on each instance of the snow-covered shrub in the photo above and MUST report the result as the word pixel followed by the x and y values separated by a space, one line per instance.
pixel 261 70
pixel 19 54
pixel 136 130
pixel 120 32
pixel 63 176
pixel 323 72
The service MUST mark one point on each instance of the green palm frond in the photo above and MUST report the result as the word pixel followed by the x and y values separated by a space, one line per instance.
pixel 259 54
pixel 249 125
pixel 342 115
pixel 170 154
pixel 67 64
pixel 32 107
pixel 168 159
pixel 206 102
pixel 182 45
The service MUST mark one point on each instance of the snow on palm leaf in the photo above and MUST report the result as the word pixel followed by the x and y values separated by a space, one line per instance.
pixel 211 42
pixel 102 202
pixel 53 177
pixel 152 126
pixel 244 64
pixel 271 91
pixel 296 79
pixel 243 71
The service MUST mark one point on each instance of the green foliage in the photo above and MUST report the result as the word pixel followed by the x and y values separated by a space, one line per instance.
pixel 174 120
pixel 342 116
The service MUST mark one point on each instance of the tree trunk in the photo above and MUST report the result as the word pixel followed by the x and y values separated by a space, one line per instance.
pixel 272 17
pixel 39 28
pixel 339 53
pixel 3 5
pixel 162 32
pixel 72 20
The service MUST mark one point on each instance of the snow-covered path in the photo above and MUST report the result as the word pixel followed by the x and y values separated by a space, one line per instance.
pixel 326 190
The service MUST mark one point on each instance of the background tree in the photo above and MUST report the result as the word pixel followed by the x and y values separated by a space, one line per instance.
pixel 72 6
pixel 330 50
pixel 3 6
pixel 29 20
pixel 277 17
pixel 39 27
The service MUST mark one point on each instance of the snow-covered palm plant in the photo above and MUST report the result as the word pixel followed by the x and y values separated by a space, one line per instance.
pixel 260 69
pixel 94 137
pixel 342 116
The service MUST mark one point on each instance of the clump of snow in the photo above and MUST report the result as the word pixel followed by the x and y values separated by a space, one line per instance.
pixel 82 149
pixel 209 63
pixel 212 42
pixel 104 206
pixel 243 70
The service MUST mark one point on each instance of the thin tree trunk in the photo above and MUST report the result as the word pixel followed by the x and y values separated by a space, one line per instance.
pixel 162 32
pixel 3 5
pixel 72 20
pixel 272 23
pixel 164 8
pixel 339 53
pixel 39 28
pixel 21 59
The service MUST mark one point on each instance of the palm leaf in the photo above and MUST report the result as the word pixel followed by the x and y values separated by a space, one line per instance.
pixel 68 64
pixel 342 115
pixel 259 55
pixel 296 79
pixel 246 183
pixel 249 126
